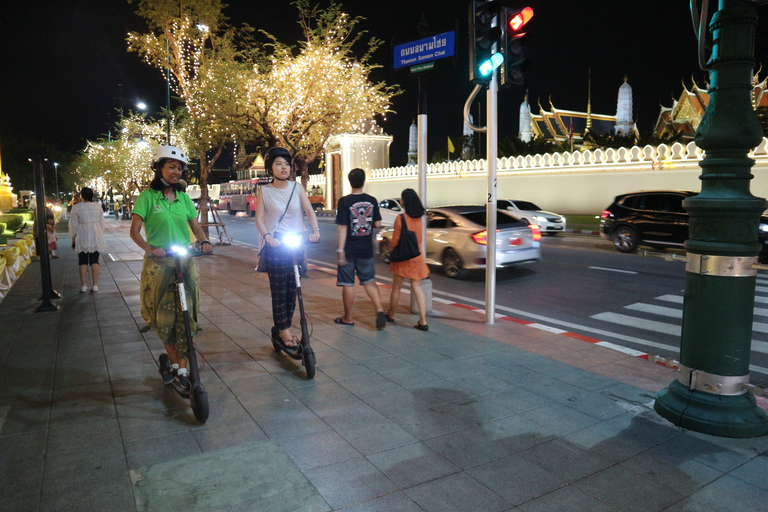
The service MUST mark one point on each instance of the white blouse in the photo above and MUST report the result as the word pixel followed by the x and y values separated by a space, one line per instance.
pixel 275 200
pixel 87 222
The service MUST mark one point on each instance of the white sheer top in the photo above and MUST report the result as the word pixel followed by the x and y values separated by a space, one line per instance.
pixel 274 200
pixel 87 222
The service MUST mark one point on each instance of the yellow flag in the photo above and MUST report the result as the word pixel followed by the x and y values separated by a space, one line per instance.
pixel 451 149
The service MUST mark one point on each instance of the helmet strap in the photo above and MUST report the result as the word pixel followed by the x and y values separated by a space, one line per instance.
pixel 162 180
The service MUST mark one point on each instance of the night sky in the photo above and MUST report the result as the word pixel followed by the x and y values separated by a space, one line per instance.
pixel 61 61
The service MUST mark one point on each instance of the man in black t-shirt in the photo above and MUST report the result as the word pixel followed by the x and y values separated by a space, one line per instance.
pixel 357 215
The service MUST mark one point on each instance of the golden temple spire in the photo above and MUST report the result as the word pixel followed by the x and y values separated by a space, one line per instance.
pixel 589 103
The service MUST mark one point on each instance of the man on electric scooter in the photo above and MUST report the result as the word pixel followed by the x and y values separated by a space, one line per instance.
pixel 165 212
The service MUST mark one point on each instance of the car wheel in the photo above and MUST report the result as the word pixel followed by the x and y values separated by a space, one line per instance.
pixel 384 250
pixel 453 266
pixel 550 233
pixel 625 239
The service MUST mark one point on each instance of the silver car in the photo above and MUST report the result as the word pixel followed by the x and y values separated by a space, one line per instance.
pixel 549 223
pixel 389 209
pixel 456 239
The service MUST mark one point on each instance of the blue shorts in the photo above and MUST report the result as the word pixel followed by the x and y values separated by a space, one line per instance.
pixel 365 272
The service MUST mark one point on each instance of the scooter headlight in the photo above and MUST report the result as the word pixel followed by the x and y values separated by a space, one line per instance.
pixel 181 251
pixel 292 240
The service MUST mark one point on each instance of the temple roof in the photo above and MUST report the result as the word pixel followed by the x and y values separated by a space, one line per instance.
pixel 686 112
pixel 556 124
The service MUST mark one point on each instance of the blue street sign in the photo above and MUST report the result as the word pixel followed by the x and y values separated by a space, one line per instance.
pixel 425 50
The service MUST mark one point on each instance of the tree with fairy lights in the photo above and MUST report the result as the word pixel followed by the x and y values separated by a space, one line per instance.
pixel 123 163
pixel 191 41
pixel 300 97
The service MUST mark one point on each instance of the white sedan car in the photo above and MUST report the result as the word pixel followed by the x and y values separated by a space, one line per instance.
pixel 456 239
pixel 390 209
pixel 549 223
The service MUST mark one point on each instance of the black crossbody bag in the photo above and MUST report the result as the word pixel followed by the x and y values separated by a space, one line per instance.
pixel 407 247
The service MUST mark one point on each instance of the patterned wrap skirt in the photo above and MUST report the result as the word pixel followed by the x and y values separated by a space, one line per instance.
pixel 159 305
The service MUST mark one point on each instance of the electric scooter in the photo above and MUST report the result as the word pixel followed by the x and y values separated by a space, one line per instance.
pixel 303 351
pixel 197 395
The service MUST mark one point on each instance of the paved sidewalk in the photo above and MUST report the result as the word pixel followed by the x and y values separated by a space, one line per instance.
pixel 465 417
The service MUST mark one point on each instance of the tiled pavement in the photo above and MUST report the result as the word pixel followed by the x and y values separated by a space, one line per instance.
pixel 465 417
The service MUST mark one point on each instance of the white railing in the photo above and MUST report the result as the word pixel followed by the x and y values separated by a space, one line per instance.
pixel 657 156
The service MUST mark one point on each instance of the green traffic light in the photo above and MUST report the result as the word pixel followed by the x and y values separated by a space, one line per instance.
pixel 487 67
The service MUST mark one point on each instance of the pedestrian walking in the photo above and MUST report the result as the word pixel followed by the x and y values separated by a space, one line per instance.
pixel 280 211
pixel 414 269
pixel 357 215
pixel 167 213
pixel 86 225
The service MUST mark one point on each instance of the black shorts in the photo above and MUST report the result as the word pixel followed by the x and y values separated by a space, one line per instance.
pixel 88 258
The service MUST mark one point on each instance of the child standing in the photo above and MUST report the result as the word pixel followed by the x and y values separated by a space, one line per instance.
pixel 52 237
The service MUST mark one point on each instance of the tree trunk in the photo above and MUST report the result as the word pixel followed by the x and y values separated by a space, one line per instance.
pixel 204 199
pixel 303 168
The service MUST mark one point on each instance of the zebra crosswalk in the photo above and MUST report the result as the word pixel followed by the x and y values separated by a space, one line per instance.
pixel 662 317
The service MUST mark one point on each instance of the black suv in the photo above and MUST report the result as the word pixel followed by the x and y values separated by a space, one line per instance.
pixel 656 218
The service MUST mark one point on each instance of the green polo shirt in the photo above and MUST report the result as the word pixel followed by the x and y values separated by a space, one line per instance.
pixel 165 224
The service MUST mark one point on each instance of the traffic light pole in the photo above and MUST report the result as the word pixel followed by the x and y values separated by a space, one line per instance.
pixel 709 395
pixel 421 158
pixel 492 136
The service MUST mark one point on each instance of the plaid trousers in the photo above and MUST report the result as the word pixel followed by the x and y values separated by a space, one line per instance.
pixel 282 284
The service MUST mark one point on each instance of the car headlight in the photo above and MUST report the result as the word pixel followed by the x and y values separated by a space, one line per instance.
pixel 763 228
pixel 537 218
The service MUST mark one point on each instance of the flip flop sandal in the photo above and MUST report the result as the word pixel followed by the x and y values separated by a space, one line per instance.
pixel 341 321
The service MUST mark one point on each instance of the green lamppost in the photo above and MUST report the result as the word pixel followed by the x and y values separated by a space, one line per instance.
pixel 709 395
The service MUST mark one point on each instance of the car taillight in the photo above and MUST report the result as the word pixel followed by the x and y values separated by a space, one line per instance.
pixel 605 214
pixel 481 238
pixel 536 232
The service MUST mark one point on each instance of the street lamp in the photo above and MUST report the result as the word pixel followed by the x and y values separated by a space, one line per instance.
pixel 56 166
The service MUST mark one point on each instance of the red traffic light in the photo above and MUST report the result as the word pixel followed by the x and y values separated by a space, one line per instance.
pixel 518 19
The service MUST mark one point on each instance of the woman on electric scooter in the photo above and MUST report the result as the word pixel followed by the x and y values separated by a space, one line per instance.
pixel 280 210
pixel 165 212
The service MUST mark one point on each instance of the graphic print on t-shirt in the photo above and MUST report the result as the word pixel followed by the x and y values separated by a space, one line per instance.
pixel 361 219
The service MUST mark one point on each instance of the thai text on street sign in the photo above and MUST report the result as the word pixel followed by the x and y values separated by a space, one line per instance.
pixel 425 50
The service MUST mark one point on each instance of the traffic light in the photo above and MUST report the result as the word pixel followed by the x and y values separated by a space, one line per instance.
pixel 482 36
pixel 514 21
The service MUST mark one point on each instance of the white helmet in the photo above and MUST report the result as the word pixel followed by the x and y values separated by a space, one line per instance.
pixel 163 152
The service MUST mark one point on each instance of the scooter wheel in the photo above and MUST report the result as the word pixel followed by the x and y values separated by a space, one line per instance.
pixel 309 364
pixel 200 407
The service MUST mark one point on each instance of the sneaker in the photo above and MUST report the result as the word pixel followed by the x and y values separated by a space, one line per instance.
pixel 83 289
pixel 95 288
pixel 183 380
pixel 168 374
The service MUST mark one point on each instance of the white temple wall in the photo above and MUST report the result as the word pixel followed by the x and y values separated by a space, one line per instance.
pixel 568 183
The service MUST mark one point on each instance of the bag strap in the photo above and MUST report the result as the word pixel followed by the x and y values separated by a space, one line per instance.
pixel 263 240
pixel 404 225
pixel 287 205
